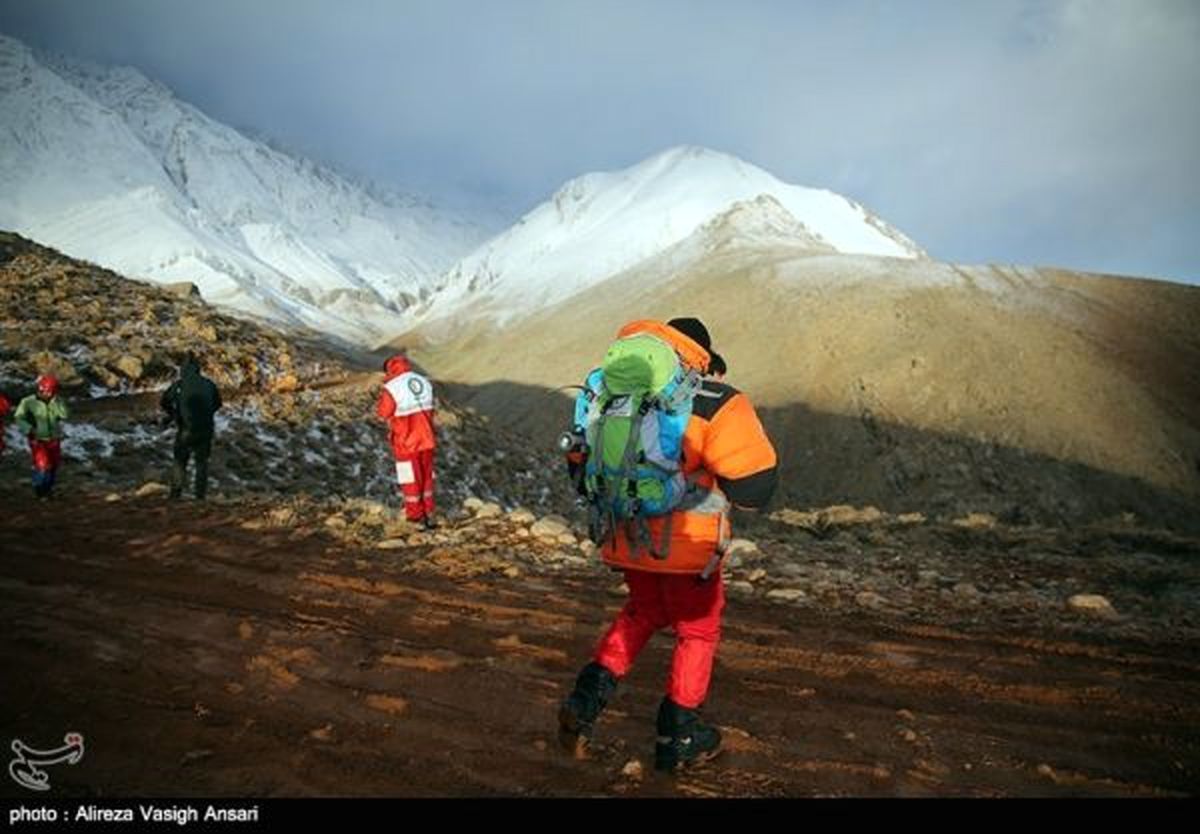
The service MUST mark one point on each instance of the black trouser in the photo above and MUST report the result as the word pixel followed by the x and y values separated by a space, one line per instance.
pixel 187 444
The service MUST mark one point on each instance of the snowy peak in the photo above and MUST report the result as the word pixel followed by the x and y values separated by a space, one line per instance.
pixel 601 224
pixel 108 165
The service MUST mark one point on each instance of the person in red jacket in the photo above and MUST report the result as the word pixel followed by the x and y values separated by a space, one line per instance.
pixel 406 403
pixel 5 407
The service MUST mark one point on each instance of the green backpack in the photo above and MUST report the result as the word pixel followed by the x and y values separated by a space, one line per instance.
pixel 632 415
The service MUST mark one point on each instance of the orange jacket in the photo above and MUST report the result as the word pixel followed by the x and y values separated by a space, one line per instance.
pixel 726 452
pixel 406 403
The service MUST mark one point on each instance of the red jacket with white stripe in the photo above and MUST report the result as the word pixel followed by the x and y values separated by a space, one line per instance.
pixel 406 403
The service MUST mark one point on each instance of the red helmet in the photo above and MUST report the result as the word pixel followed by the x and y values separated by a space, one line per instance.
pixel 47 386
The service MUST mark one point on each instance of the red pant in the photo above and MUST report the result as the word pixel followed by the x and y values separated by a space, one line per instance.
pixel 414 474
pixel 47 454
pixel 690 607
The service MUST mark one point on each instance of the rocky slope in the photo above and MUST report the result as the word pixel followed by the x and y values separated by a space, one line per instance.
pixel 1029 394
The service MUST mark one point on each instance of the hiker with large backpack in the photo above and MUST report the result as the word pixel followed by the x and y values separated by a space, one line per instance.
pixel 40 417
pixel 661 453
pixel 407 404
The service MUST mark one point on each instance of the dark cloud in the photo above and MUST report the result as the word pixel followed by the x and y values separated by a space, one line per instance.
pixel 1063 133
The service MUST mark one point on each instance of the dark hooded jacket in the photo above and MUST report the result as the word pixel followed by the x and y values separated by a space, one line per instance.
pixel 191 401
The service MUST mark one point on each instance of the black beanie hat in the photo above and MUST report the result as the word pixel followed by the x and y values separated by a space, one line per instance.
pixel 695 330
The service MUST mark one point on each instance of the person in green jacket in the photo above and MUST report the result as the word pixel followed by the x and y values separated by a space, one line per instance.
pixel 190 402
pixel 40 417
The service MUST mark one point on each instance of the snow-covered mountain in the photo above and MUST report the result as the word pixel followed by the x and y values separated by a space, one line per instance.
pixel 602 224
pixel 108 165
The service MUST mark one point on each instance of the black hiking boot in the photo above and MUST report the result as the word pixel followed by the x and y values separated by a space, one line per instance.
pixel 428 523
pixel 578 713
pixel 683 739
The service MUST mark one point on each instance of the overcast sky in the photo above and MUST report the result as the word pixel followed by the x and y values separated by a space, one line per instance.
pixel 1015 131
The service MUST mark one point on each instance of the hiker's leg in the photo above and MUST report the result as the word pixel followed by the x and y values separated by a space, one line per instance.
pixel 203 450
pixel 428 479
pixel 643 614
pixel 694 609
pixel 54 455
pixel 410 490
pixel 41 463
pixel 182 452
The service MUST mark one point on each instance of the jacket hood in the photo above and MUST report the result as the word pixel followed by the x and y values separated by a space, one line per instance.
pixel 396 365
pixel 190 367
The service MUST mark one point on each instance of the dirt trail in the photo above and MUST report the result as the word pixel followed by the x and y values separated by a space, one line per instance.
pixel 199 657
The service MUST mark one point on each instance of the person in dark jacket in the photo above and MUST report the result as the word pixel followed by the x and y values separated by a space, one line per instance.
pixel 190 403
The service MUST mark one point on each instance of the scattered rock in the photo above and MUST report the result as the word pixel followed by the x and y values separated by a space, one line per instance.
pixel 322 733
pixel 738 586
pixel 112 497
pixel 193 326
pixel 130 367
pixel 976 521
pixel 742 546
pixel 392 544
pixel 151 488
pixel 336 522
pixel 282 517
pixel 786 594
pixel 183 289
pixel 1093 605
pixel 908 735
pixel 285 383
pixel 587 547
pixel 550 528
pixel 842 515
pixel 869 599
pixel 471 503
pixel 489 510
pixel 756 575
pixel 522 516
pixel 632 769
